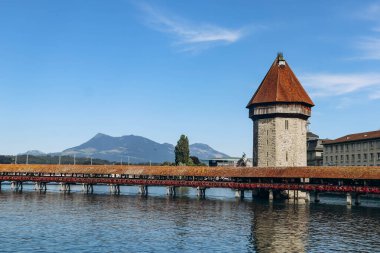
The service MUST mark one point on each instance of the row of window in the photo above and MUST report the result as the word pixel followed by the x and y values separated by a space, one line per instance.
pixel 353 146
pixel 355 158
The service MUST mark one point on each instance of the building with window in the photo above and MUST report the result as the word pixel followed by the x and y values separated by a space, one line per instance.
pixel 226 161
pixel 360 149
pixel 314 150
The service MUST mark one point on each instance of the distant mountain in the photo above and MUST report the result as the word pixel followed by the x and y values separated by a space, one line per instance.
pixel 135 148
pixel 34 153
pixel 204 151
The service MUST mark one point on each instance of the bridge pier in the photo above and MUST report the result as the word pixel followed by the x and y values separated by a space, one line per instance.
pixel 255 193
pixel 115 189
pixel 88 188
pixel 201 192
pixel 239 193
pixel 270 195
pixel 349 198
pixel 171 191
pixel 261 193
pixel 307 196
pixel 143 190
pixel 16 186
pixel 357 199
pixel 298 196
pixel 316 197
pixel 65 187
pixel 40 186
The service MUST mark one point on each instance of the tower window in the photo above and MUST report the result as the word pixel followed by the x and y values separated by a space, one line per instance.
pixel 286 156
pixel 286 124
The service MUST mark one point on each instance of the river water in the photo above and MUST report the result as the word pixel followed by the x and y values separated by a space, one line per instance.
pixel 57 222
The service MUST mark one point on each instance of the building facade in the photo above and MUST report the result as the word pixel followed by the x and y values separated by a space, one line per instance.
pixel 226 162
pixel 279 109
pixel 314 150
pixel 360 149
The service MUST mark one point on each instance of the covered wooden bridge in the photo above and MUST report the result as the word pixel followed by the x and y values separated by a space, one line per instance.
pixel 296 181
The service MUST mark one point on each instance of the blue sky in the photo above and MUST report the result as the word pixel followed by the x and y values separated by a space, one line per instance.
pixel 71 69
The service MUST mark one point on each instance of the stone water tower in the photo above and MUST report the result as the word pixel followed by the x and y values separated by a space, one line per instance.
pixel 279 109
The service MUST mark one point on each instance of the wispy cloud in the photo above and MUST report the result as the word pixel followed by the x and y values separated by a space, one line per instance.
pixel 371 12
pixel 324 84
pixel 190 36
pixel 369 46
pixel 375 95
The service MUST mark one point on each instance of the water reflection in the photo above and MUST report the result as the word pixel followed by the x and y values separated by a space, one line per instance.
pixel 280 227
pixel 54 221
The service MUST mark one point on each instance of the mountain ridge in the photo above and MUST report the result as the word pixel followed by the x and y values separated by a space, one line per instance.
pixel 135 149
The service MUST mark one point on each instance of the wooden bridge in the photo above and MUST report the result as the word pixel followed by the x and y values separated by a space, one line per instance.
pixel 296 182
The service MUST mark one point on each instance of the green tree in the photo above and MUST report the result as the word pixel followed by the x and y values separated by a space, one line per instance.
pixel 195 160
pixel 182 152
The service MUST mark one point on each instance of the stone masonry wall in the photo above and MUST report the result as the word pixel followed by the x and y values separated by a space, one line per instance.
pixel 266 140
pixel 291 142
pixel 278 145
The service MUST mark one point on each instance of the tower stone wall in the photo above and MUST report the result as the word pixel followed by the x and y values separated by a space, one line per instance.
pixel 276 146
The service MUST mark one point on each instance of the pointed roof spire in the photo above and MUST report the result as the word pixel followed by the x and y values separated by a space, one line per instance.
pixel 280 85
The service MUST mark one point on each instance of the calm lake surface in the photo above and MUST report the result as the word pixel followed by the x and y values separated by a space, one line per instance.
pixel 57 222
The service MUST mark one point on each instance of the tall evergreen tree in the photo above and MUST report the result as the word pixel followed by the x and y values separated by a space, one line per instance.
pixel 182 151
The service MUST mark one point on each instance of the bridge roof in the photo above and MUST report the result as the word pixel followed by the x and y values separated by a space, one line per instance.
pixel 253 172
pixel 280 85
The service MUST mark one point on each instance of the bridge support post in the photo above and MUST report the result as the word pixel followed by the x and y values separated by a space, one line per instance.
pixel 255 193
pixel 292 194
pixel 171 191
pixel 88 188
pixel 201 192
pixel 357 199
pixel 307 197
pixel 143 190
pixel 115 189
pixel 239 193
pixel 298 196
pixel 65 187
pixel 349 199
pixel 40 186
pixel 316 197
pixel 16 186
pixel 270 195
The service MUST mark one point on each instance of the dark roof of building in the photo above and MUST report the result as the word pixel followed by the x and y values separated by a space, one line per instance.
pixel 311 136
pixel 280 85
pixel 355 137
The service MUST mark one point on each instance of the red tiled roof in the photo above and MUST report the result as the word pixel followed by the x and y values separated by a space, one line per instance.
pixel 280 85
pixel 355 137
